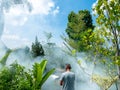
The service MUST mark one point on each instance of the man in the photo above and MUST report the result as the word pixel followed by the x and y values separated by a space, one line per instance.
pixel 67 79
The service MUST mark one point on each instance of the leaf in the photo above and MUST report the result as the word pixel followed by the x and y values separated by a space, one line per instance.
pixel 39 73
pixel 79 62
pixel 5 57
pixel 46 76
pixel 43 65
pixel 73 52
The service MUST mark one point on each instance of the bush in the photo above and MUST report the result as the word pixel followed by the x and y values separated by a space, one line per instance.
pixel 16 78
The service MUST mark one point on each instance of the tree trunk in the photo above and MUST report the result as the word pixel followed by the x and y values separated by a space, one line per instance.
pixel 118 54
pixel 118 82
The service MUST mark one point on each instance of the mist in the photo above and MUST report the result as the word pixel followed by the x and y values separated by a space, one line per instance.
pixel 57 59
pixel 56 56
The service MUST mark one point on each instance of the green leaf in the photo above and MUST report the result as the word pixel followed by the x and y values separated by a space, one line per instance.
pixel 46 76
pixel 39 73
pixel 73 52
pixel 43 65
pixel 79 62
pixel 5 57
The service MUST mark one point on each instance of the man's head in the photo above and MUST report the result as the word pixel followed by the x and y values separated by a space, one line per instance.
pixel 68 67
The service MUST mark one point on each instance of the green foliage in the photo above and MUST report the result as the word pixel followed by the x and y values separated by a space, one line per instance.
pixel 13 78
pixel 38 74
pixel 79 29
pixel 73 52
pixel 108 15
pixel 103 81
pixel 79 62
pixel 4 59
pixel 16 78
pixel 37 49
pixel 108 18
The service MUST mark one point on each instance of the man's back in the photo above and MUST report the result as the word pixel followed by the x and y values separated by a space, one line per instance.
pixel 68 79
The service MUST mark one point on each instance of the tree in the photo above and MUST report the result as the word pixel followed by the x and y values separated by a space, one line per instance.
pixel 37 49
pixel 108 15
pixel 79 29
pixel 108 18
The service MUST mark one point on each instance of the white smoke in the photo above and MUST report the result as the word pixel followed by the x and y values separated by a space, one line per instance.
pixel 55 56
pixel 3 49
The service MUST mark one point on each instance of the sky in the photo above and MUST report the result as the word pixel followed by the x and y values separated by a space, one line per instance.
pixel 22 23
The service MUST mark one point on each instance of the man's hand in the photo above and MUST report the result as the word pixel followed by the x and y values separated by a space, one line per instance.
pixel 61 83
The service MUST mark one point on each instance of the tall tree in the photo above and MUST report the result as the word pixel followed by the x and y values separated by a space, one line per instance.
pixel 108 15
pixel 79 29
pixel 37 49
